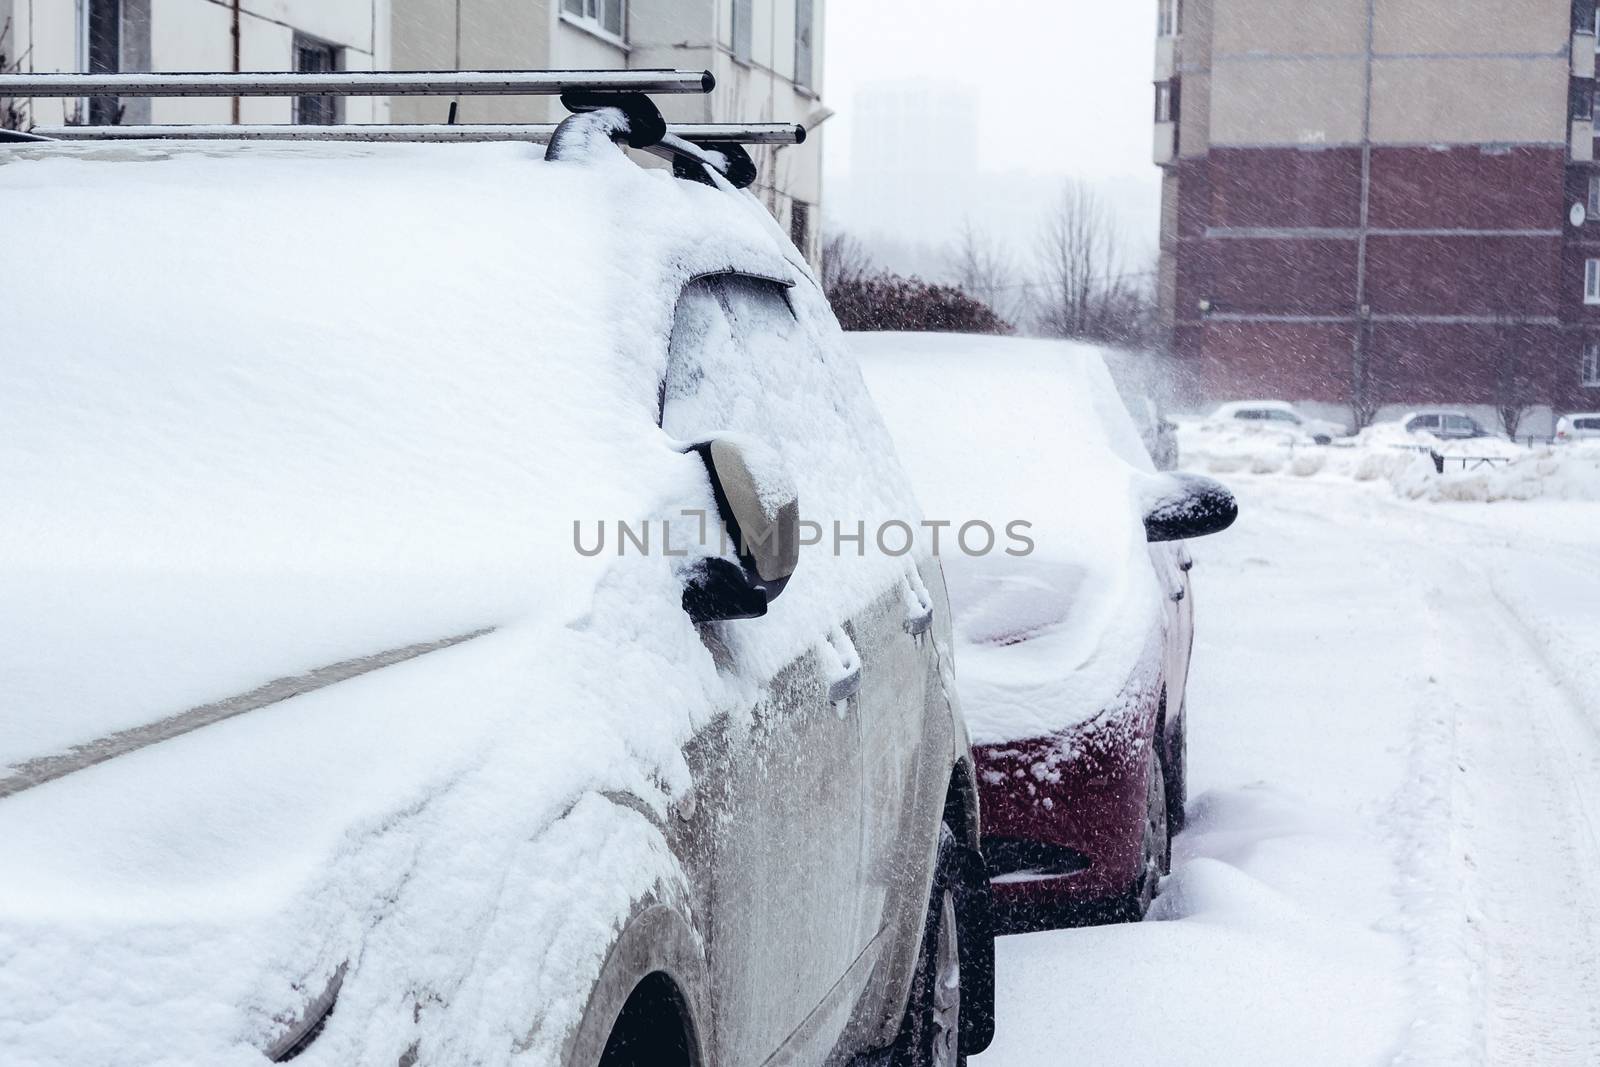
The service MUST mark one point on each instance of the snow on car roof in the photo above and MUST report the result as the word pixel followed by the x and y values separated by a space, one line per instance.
pixel 1227 410
pixel 234 363
pixel 1004 429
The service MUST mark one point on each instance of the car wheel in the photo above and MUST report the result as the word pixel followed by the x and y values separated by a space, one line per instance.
pixel 1155 848
pixel 930 1036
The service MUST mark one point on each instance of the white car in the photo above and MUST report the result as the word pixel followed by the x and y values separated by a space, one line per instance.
pixel 1276 416
pixel 1580 427
pixel 360 703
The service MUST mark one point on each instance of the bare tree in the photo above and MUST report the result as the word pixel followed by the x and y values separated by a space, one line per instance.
pixel 844 260
pixel 1085 290
pixel 986 273
pixel 1514 394
pixel 1364 402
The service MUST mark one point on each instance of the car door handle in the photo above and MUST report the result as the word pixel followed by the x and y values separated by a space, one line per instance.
pixel 917 625
pixel 1179 595
pixel 844 688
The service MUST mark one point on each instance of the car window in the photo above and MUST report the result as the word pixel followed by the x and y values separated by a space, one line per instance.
pixel 1459 422
pixel 1283 416
pixel 1587 424
pixel 1249 413
pixel 732 339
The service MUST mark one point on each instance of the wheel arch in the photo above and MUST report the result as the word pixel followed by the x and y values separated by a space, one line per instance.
pixel 658 957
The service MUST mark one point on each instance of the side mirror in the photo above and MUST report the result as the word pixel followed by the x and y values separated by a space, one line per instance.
pixel 1181 506
pixel 761 513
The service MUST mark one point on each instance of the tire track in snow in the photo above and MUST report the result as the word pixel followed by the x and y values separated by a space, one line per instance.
pixel 1531 851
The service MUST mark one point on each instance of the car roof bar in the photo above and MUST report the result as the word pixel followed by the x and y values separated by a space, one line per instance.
pixel 359 83
pixel 759 133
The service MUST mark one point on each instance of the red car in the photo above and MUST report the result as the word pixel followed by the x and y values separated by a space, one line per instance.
pixel 1074 629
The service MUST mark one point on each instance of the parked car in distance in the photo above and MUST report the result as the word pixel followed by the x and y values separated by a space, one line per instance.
pixel 509 799
pixel 1445 425
pixel 1073 655
pixel 1278 415
pixel 1578 427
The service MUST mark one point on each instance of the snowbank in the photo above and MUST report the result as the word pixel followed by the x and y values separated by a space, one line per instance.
pixel 1387 453
pixel 1570 472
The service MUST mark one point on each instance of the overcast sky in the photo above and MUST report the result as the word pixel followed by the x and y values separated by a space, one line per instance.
pixel 1064 86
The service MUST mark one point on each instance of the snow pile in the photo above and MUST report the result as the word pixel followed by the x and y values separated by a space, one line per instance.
pixel 1387 453
pixel 1000 430
pixel 323 402
pixel 1570 472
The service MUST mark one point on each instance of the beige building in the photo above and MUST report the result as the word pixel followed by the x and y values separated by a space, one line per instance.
pixel 766 55
pixel 110 36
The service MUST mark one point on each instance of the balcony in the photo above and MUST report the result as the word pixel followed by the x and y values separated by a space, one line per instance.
pixel 1166 144
pixel 1166 58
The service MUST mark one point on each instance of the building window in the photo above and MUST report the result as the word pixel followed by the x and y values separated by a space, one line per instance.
pixel 1166 102
pixel 105 56
pixel 1169 18
pixel 610 16
pixel 1591 282
pixel 805 25
pixel 1594 198
pixel 1591 364
pixel 1582 100
pixel 315 57
pixel 743 31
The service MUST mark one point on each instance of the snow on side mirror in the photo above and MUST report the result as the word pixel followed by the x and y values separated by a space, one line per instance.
pixel 761 511
pixel 1182 506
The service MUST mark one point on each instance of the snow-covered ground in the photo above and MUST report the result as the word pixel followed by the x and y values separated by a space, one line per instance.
pixel 1392 852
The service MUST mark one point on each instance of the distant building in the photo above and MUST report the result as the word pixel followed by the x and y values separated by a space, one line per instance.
pixel 766 54
pixel 1381 201
pixel 914 157
pixel 111 36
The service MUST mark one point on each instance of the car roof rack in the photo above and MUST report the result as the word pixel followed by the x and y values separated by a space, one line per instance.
pixel 690 147
pixel 359 83
pixel 759 133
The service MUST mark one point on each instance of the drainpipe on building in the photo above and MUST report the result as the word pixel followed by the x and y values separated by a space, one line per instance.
pixel 236 50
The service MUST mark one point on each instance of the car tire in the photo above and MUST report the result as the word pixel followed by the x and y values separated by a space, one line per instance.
pixel 1176 765
pixel 1155 844
pixel 930 1035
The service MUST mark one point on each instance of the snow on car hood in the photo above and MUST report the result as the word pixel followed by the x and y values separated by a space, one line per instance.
pixel 999 430
pixel 272 408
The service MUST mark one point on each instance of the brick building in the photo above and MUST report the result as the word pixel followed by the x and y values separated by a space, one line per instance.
pixel 1381 202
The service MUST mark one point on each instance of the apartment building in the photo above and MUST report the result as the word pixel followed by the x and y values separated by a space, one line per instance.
pixel 1376 202
pixel 766 55
pixel 110 36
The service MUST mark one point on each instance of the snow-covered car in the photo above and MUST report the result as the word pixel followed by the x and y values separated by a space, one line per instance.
pixel 376 688
pixel 1445 425
pixel 1073 649
pixel 1277 416
pixel 1578 427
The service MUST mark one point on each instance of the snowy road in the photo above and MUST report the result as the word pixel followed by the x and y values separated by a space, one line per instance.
pixel 1394 842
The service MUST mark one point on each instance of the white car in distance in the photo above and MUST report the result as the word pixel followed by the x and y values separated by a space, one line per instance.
pixel 1584 426
pixel 1277 415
